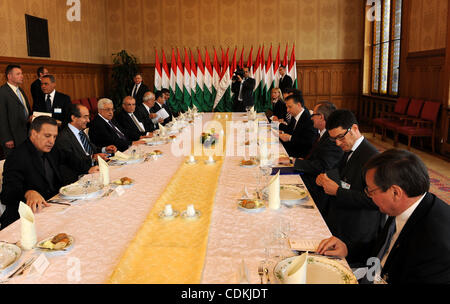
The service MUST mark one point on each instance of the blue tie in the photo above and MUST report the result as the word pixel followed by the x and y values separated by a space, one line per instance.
pixel 25 110
pixel 391 228
pixel 87 146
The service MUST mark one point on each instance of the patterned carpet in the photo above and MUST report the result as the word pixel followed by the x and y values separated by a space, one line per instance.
pixel 440 184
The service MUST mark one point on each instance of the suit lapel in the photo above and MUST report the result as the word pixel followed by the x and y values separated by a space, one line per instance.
pixel 74 140
pixel 354 159
pixel 14 95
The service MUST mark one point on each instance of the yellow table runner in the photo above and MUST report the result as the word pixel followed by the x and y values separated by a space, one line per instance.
pixel 173 252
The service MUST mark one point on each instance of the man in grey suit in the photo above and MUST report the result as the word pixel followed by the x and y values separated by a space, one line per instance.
pixel 15 110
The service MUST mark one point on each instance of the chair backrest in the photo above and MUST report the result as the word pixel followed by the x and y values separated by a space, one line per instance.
pixel 414 107
pixel 85 102
pixel 430 110
pixel 94 102
pixel 76 101
pixel 401 105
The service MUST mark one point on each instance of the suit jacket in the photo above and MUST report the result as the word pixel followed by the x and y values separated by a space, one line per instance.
pixel 280 110
pixel 23 171
pixel 36 92
pixel 158 107
pixel 247 94
pixel 352 216
pixel 285 83
pixel 103 135
pixel 143 115
pixel 68 144
pixel 303 136
pixel 13 122
pixel 130 129
pixel 140 93
pixel 421 253
pixel 60 101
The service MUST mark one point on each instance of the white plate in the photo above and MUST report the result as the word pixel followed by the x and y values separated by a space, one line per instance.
pixel 13 251
pixel 260 206
pixel 163 216
pixel 56 252
pixel 291 195
pixel 124 186
pixel 320 271
pixel 126 162
pixel 186 217
pixel 158 142
pixel 77 191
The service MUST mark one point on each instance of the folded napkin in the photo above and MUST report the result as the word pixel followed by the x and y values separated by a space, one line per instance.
pixel 121 156
pixel 104 171
pixel 162 129
pixel 296 271
pixel 28 231
pixel 274 192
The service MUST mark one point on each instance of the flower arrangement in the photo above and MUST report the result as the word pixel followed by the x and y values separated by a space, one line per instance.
pixel 209 139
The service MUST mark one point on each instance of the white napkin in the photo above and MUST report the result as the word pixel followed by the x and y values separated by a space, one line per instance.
pixel 104 171
pixel 274 192
pixel 29 238
pixel 296 271
pixel 162 129
pixel 121 156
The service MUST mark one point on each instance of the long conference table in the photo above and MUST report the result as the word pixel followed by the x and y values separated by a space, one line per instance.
pixel 106 228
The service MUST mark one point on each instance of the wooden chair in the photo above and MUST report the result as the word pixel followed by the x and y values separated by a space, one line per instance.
pixel 425 126
pixel 399 111
pixel 414 108
pixel 76 101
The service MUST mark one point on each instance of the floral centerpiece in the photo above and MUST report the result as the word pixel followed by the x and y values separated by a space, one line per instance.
pixel 209 139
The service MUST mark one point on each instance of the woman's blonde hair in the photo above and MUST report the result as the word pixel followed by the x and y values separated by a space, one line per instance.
pixel 280 94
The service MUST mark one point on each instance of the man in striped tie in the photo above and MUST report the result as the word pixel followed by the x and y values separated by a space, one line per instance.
pixel 72 140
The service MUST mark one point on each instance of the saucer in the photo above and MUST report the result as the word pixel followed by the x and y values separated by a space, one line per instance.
pixel 163 216
pixel 186 217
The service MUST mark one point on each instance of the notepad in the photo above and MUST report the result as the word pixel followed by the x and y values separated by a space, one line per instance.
pixel 304 245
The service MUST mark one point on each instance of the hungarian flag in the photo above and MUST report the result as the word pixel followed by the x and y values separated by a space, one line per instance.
pixel 165 83
pixel 208 90
pixel 276 66
pixel 241 59
pixel 187 82
pixel 292 71
pixel 250 63
pixel 222 102
pixel 180 87
pixel 215 77
pixel 285 57
pixel 199 96
pixel 158 73
pixel 173 83
pixel 257 76
pixel 193 80
pixel 259 106
pixel 269 76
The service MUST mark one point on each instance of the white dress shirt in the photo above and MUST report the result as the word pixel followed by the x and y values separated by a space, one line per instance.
pixel 355 146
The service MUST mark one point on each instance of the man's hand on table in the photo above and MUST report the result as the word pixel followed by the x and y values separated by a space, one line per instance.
pixel 333 246
pixel 94 169
pixel 35 201
pixel 138 142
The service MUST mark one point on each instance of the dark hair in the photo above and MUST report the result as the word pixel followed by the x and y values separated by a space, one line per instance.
pixel 37 123
pixel 10 67
pixel 51 77
pixel 326 108
pixel 40 70
pixel 341 118
pixel 164 91
pixel 75 110
pixel 137 74
pixel 401 168
pixel 282 66
pixel 297 97
pixel 158 94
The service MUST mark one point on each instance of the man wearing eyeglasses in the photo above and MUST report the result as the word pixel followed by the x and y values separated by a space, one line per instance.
pixel 414 247
pixel 352 216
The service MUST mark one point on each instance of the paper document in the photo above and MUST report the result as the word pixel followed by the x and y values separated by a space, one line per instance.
pixel 304 245
pixel 162 114
pixel 37 114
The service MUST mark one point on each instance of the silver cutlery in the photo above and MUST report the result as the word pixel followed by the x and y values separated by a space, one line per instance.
pixel 261 272
pixel 266 270
pixel 22 267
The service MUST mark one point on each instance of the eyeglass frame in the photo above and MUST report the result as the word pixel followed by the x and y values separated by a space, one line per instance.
pixel 340 137
pixel 370 192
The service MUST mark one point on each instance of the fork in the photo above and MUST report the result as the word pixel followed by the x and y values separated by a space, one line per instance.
pixel 261 272
pixel 266 270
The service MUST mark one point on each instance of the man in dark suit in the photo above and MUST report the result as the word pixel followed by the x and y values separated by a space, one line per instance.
pixel 242 88
pixel 352 216
pixel 299 135
pixel 73 141
pixel 132 123
pixel 31 171
pixel 285 80
pixel 324 155
pixel 14 110
pixel 36 91
pixel 54 102
pixel 414 247
pixel 105 131
pixel 139 89
pixel 145 112
pixel 161 104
